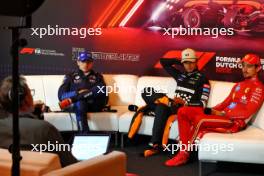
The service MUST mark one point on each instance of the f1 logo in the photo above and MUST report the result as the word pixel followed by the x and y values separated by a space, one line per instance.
pixel 27 51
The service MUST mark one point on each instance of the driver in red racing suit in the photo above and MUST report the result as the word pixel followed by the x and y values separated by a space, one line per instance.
pixel 230 116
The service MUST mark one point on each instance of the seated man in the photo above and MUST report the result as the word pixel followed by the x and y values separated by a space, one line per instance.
pixel 230 116
pixel 84 88
pixel 32 130
pixel 192 90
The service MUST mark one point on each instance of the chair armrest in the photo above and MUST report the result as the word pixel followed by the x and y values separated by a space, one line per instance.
pixel 112 164
pixel 32 163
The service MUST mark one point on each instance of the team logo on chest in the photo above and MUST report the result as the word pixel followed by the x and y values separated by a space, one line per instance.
pixel 92 79
pixel 77 79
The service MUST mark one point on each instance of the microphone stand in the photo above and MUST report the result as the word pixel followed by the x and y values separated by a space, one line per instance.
pixel 16 43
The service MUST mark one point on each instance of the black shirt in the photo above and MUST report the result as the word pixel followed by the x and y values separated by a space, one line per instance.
pixel 192 87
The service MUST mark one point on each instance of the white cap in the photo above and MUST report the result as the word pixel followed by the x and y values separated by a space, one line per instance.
pixel 188 55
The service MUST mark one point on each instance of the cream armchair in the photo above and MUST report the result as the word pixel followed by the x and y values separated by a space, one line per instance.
pixel 48 164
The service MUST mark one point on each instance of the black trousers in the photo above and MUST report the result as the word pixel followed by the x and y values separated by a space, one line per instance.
pixel 161 111
pixel 82 107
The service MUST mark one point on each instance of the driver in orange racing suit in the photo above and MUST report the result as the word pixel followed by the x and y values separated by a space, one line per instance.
pixel 230 116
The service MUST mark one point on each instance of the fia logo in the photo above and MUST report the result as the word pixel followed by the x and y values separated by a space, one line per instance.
pixel 37 51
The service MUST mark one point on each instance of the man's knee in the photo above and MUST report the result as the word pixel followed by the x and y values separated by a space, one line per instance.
pixel 182 112
pixel 147 94
pixel 162 107
pixel 198 120
pixel 162 111
pixel 81 106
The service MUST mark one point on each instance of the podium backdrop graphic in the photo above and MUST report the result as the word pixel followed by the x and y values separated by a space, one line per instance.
pixel 127 37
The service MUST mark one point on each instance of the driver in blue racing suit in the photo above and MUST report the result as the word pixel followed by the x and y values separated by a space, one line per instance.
pixel 84 89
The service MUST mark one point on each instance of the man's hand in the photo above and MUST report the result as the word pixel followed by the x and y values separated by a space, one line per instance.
pixel 39 104
pixel 82 91
pixel 178 100
pixel 218 113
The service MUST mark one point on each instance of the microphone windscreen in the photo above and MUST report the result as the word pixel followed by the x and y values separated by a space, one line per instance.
pixel 133 108
pixel 65 103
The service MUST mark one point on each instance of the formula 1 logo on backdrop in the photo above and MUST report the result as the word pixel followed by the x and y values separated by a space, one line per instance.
pixel 39 51
pixel 27 51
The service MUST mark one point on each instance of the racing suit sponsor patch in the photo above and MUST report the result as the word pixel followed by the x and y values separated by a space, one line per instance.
pixel 232 105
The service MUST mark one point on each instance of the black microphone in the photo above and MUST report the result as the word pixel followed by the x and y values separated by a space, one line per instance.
pixel 133 108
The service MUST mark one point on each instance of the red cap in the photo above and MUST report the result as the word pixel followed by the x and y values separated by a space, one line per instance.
pixel 252 59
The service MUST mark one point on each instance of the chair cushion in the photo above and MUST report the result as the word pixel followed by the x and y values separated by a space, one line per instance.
pixel 259 118
pixel 219 91
pixel 61 120
pixel 35 83
pixel 162 84
pixel 244 146
pixel 122 87
pixel 106 121
pixel 51 84
pixel 98 121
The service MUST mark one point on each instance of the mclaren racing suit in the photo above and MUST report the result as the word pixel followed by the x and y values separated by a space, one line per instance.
pixel 193 88
pixel 95 96
pixel 237 109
